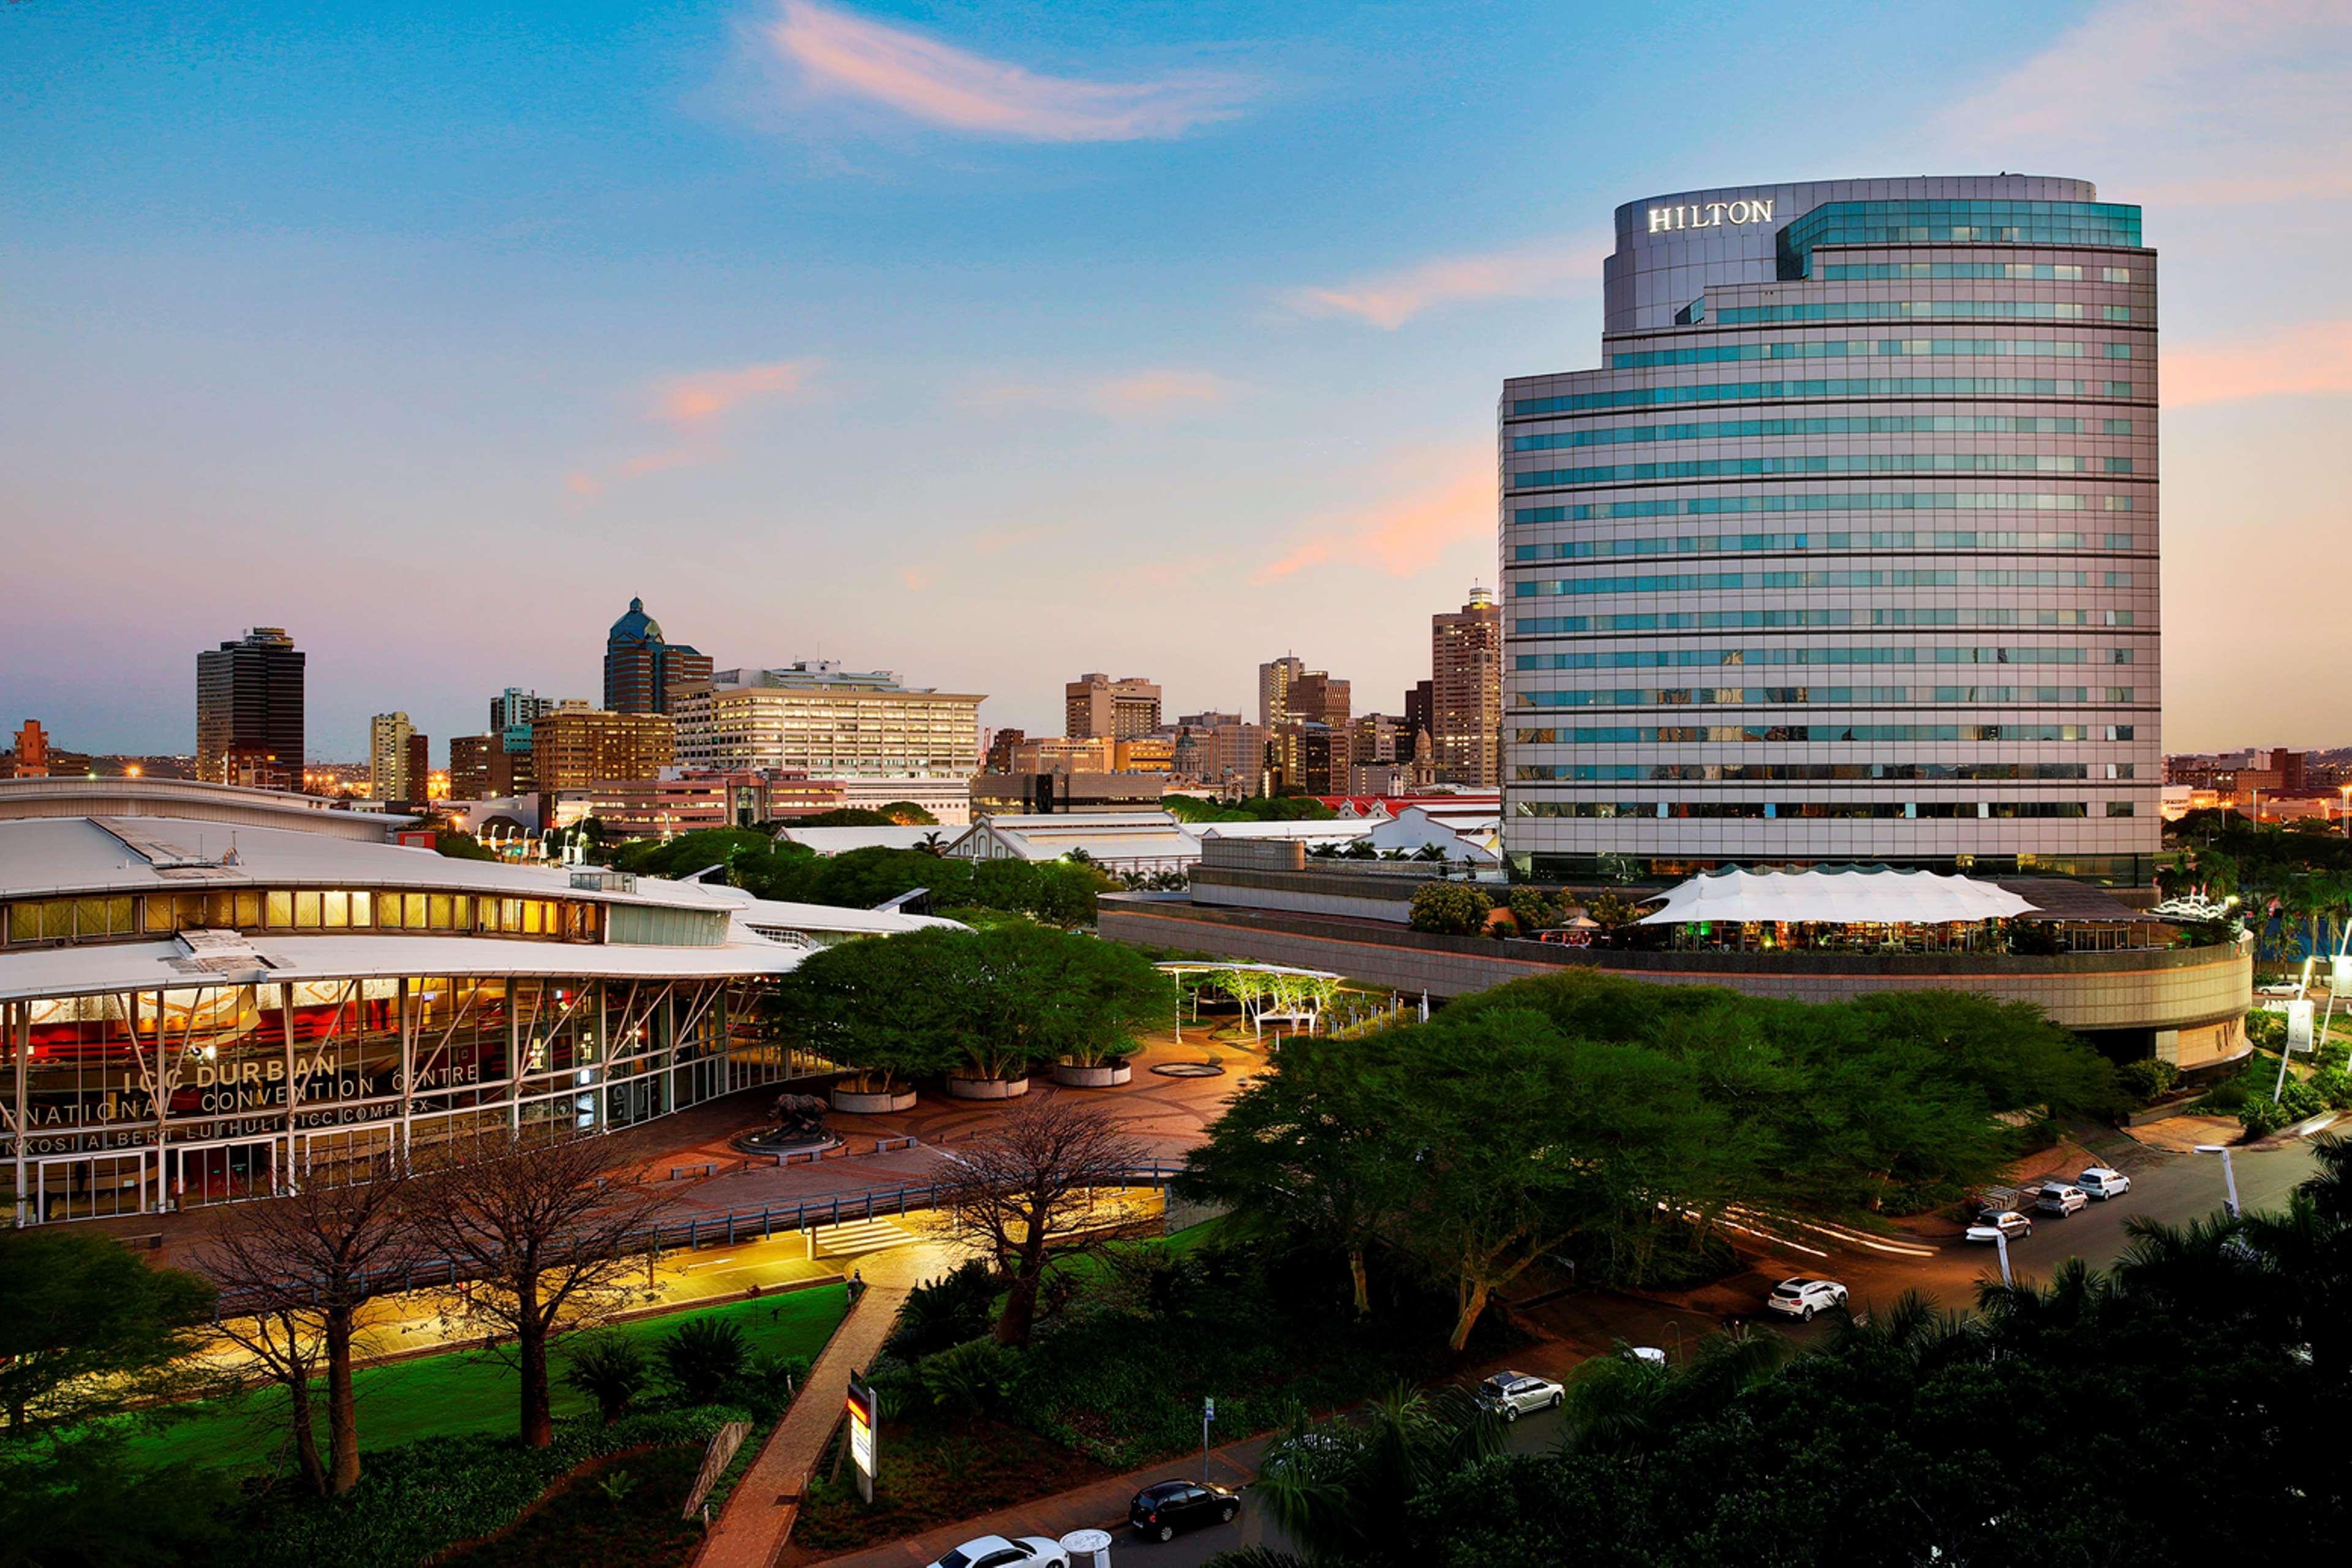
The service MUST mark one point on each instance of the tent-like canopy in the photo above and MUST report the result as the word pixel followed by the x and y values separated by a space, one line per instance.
pixel 1862 895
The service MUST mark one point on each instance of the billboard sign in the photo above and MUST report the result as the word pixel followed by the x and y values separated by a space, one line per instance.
pixel 2299 1021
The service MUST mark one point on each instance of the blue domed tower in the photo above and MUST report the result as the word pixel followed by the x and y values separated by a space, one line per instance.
pixel 641 667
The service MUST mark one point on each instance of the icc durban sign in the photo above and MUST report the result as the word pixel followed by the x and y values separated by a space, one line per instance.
pixel 1709 215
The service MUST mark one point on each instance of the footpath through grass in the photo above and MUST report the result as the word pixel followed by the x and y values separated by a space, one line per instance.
pixel 457 1393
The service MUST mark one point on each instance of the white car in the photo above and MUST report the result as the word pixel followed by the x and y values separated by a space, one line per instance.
pixel 1511 1395
pixel 2279 989
pixel 2104 1184
pixel 998 1551
pixel 1802 1298
pixel 1994 1223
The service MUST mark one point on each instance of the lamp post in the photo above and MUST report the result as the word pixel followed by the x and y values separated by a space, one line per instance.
pixel 2344 815
pixel 2000 1240
pixel 2228 1174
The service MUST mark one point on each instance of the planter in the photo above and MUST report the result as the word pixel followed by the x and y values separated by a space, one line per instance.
pixel 1109 1074
pixel 987 1087
pixel 872 1102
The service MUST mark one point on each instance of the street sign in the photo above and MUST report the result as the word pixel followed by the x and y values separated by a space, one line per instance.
pixel 1209 1408
pixel 865 1411
pixel 2339 973
pixel 2299 1023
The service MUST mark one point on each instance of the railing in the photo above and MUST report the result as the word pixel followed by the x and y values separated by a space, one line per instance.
pixel 731 1228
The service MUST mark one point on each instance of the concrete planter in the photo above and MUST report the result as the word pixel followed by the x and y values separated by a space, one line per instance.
pixel 987 1087
pixel 879 1103
pixel 1109 1075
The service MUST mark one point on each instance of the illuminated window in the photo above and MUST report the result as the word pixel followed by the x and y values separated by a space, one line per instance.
pixel 335 909
pixel 278 910
pixel 306 912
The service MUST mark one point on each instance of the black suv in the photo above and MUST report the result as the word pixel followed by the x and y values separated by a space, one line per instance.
pixel 1161 1510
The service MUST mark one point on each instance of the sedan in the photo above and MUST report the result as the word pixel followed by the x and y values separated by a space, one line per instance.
pixel 1802 1298
pixel 998 1551
pixel 1161 1510
pixel 1511 1395
pixel 1994 1223
pixel 2103 1184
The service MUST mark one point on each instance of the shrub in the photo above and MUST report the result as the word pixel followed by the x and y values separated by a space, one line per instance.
pixel 2259 1115
pixel 610 1370
pixel 1533 910
pixel 946 1311
pixel 1450 909
pixel 968 1378
pixel 2149 1080
pixel 702 1356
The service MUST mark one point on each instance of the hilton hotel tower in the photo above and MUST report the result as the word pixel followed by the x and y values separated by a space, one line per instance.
pixel 1847 553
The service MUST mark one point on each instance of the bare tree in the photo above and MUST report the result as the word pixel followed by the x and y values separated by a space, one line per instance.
pixel 293 1273
pixel 544 1236
pixel 1045 1186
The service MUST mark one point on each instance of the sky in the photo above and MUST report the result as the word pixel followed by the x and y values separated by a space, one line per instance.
pixel 994 343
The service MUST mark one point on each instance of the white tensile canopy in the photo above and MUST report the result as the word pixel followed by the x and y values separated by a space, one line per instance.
pixel 1876 895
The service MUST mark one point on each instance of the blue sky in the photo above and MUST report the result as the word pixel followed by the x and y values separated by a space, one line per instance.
pixel 992 343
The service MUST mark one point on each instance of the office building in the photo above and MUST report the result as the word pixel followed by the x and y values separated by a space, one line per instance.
pixel 249 710
pixel 389 755
pixel 1274 679
pixel 1144 754
pixel 642 667
pixel 1466 719
pixel 470 771
pixel 992 795
pixel 683 800
pixel 828 722
pixel 420 765
pixel 32 755
pixel 1316 697
pixel 1095 705
pixel 1230 753
pixel 998 758
pixel 1062 755
pixel 1208 720
pixel 1848 551
pixel 572 749
pixel 1304 758
pixel 1420 714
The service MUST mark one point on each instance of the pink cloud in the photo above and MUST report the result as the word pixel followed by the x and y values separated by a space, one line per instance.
pixel 2312 360
pixel 705 396
pixel 1443 498
pixel 1390 300
pixel 919 77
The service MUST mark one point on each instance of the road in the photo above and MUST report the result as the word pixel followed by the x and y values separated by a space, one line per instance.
pixel 2174 1188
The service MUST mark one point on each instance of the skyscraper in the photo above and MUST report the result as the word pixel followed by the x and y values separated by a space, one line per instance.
pixel 1316 698
pixel 249 710
pixel 641 668
pixel 1274 679
pixel 1849 551
pixel 389 757
pixel 1097 706
pixel 1466 718
pixel 1420 715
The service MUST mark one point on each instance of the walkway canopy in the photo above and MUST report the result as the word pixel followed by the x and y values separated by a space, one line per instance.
pixel 1862 895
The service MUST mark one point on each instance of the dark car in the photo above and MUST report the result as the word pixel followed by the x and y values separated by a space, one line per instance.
pixel 1161 1510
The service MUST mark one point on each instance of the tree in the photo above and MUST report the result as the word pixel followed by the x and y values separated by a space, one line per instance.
pixel 1304 1146
pixel 702 1355
pixel 1342 1491
pixel 458 845
pixel 1044 1188
pixel 546 1236
pixel 610 1369
pixel 296 1270
pixel 87 1328
pixel 876 1006
pixel 1449 909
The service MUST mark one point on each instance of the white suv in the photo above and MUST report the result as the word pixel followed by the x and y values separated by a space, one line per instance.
pixel 1802 1298
pixel 1511 1395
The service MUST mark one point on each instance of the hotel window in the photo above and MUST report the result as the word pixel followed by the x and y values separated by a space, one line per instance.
pixel 278 910
pixel 306 912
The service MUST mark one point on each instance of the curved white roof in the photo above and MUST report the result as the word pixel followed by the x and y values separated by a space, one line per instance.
pixel 1859 896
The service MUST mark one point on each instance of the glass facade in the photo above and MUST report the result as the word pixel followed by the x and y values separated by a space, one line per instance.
pixel 1913 767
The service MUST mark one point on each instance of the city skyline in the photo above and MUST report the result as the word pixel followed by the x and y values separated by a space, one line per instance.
pixel 1197 310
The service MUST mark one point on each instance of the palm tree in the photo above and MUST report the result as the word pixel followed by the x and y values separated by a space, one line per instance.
pixel 1623 1406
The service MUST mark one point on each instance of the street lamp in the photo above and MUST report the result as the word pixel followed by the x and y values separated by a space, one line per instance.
pixel 2346 814
pixel 2000 1240
pixel 2229 1173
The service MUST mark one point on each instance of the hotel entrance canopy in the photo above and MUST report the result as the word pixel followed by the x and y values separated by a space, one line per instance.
pixel 1873 895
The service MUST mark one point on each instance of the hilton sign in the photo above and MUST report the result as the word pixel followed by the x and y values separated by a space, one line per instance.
pixel 1713 214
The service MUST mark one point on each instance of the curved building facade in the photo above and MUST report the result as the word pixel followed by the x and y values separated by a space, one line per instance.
pixel 209 994
pixel 1848 551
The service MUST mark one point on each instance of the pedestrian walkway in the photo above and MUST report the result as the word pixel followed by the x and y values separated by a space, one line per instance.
pixel 758 1519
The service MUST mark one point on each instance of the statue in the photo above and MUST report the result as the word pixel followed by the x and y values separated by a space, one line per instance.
pixel 800 1119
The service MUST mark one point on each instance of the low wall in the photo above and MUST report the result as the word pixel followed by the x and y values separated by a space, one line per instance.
pixel 2167 989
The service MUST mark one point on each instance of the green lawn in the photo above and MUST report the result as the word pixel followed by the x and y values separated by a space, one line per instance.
pixel 465 1391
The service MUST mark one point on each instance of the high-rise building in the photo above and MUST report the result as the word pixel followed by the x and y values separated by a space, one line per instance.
pixel 1062 755
pixel 1420 712
pixel 249 710
pixel 388 757
pixel 642 667
pixel 1316 698
pixel 1307 758
pixel 1226 753
pixel 32 751
pixel 420 765
pixel 829 722
pixel 1274 679
pixel 1466 720
pixel 1118 709
pixel 469 767
pixel 1849 551
pixel 1001 744
pixel 511 713
pixel 573 747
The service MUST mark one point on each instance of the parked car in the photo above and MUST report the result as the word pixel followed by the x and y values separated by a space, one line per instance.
pixel 2103 1184
pixel 1511 1395
pixel 1994 1223
pixel 999 1551
pixel 2060 1198
pixel 1162 1509
pixel 2279 989
pixel 1802 1298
